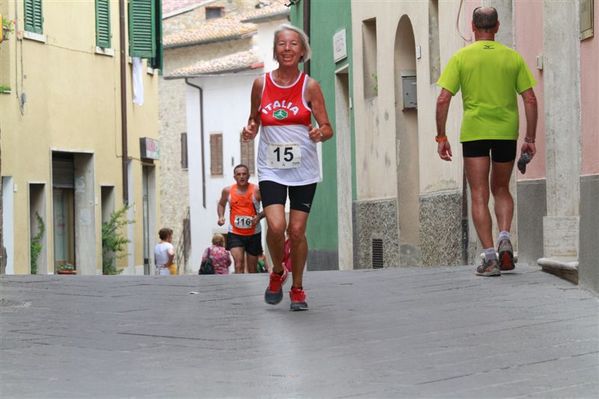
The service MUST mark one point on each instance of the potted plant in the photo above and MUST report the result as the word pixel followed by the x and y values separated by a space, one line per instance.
pixel 8 26
pixel 66 268
pixel 114 242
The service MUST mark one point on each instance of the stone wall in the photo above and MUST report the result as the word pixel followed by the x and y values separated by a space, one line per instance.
pixel 532 207
pixel 376 219
pixel 588 269
pixel 441 237
pixel 174 182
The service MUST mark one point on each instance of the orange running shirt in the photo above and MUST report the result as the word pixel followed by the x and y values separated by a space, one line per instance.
pixel 243 207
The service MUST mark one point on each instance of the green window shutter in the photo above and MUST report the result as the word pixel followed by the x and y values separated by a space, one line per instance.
pixel 33 16
pixel 103 23
pixel 157 61
pixel 142 29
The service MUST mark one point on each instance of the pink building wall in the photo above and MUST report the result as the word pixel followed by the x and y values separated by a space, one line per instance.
pixel 528 36
pixel 589 87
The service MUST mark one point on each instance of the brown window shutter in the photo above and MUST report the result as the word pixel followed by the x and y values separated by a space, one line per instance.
pixel 216 154
pixel 184 163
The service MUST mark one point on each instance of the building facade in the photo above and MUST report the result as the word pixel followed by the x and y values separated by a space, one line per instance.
pixel 75 146
pixel 407 206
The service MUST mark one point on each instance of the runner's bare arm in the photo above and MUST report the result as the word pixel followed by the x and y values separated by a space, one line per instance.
pixel 259 215
pixel 222 203
pixel 531 112
pixel 315 98
pixel 443 146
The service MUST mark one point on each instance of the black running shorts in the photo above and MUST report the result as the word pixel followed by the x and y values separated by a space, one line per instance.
pixel 300 197
pixel 501 150
pixel 252 244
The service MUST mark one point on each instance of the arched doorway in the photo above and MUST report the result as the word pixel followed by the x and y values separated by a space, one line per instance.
pixel 408 163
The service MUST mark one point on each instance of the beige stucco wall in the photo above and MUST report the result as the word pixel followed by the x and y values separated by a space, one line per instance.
pixel 375 120
pixel 72 104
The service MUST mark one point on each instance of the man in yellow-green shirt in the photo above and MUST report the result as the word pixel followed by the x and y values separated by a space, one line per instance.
pixel 490 76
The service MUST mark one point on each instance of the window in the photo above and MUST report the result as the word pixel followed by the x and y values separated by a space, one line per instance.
pixel 369 51
pixel 145 31
pixel 184 150
pixel 586 19
pixel 247 155
pixel 216 154
pixel 33 16
pixel 103 23
pixel 214 12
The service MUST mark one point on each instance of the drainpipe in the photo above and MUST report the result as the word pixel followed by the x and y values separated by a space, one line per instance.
pixel 307 30
pixel 123 68
pixel 201 108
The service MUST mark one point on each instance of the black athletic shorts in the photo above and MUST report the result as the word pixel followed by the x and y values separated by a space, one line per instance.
pixel 300 197
pixel 252 244
pixel 501 150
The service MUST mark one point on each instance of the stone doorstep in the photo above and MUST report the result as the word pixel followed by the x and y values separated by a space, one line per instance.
pixel 565 268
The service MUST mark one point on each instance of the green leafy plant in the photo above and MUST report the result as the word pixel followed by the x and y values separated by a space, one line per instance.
pixel 113 240
pixel 8 26
pixel 36 243
pixel 5 89
pixel 66 267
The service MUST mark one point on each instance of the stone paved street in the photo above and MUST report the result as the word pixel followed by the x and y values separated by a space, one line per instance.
pixel 392 333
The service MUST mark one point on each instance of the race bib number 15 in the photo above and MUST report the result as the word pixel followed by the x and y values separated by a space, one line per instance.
pixel 284 156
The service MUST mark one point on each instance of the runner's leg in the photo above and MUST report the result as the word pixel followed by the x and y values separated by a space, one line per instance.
pixel 299 244
pixel 251 263
pixel 238 254
pixel 275 234
pixel 477 174
pixel 501 173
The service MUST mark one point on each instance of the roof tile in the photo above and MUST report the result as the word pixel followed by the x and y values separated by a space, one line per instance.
pixel 228 64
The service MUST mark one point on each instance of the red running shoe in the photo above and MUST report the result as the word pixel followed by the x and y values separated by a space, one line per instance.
pixel 274 291
pixel 298 299
pixel 506 255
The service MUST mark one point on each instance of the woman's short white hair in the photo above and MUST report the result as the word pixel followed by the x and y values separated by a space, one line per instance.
pixel 303 38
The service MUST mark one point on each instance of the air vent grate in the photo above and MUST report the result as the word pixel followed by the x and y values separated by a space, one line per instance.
pixel 377 253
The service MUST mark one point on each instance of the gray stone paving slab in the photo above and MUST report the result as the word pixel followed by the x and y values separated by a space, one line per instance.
pixel 392 333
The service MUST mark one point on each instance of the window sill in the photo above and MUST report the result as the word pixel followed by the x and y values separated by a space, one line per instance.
pixel 109 52
pixel 36 37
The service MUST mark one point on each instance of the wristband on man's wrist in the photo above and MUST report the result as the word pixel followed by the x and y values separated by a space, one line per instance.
pixel 440 138
pixel 530 140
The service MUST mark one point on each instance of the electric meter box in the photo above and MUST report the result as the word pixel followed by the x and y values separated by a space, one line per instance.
pixel 409 90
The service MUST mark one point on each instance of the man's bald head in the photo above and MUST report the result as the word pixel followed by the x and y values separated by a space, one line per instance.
pixel 484 18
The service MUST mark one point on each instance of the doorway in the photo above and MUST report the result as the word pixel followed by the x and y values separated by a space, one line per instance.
pixel 344 171
pixel 63 196
pixel 149 216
